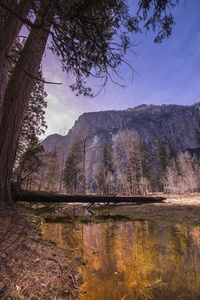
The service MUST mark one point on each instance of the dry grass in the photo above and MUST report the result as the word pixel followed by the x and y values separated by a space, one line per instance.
pixel 31 267
pixel 176 208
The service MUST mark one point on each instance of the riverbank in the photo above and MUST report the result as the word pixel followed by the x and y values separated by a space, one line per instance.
pixel 183 209
pixel 31 266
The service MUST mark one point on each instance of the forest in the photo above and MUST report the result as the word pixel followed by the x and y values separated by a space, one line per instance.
pixel 124 167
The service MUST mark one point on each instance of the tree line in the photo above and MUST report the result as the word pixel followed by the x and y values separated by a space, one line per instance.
pixel 122 166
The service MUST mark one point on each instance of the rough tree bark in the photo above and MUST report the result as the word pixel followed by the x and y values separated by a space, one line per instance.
pixel 10 27
pixel 16 100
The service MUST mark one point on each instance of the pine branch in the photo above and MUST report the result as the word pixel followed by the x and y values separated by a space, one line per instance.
pixel 30 75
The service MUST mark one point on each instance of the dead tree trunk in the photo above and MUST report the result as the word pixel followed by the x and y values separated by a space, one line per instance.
pixel 10 27
pixel 16 100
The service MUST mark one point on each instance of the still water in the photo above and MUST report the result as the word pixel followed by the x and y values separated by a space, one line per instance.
pixel 133 260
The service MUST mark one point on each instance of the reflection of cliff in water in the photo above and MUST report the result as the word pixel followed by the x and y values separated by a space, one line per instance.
pixel 134 260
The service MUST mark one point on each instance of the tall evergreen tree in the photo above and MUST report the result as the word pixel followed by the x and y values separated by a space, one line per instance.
pixel 144 160
pixel 145 169
pixel 52 172
pixel 73 168
pixel 29 164
pixel 10 27
pixel 169 155
pixel 34 121
pixel 161 162
pixel 160 156
pixel 105 169
pixel 83 137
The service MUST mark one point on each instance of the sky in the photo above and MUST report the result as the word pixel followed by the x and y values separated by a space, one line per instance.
pixel 167 73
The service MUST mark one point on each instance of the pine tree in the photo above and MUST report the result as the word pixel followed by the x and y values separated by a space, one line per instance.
pixel 73 168
pixel 83 137
pixel 145 169
pixel 169 155
pixel 160 156
pixel 161 159
pixel 144 160
pixel 52 172
pixel 34 122
pixel 29 164
pixel 105 169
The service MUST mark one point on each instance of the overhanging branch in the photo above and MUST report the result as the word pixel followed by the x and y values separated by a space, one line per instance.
pixel 30 75
pixel 24 20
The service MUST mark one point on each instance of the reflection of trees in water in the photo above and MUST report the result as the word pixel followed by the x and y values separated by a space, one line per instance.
pixel 108 242
pixel 185 256
pixel 67 236
pixel 179 241
pixel 126 263
pixel 139 260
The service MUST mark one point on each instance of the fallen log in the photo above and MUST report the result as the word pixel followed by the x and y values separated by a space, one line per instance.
pixel 33 196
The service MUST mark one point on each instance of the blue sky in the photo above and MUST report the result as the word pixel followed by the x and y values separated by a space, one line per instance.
pixel 167 73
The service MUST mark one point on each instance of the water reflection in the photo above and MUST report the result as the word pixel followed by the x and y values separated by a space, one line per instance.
pixel 133 260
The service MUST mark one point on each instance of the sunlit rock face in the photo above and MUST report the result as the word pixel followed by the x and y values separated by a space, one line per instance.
pixel 178 126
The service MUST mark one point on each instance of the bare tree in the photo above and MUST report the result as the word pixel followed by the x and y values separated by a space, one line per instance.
pixel 126 155
pixel 182 176
pixel 144 185
pixel 188 165
pixel 172 179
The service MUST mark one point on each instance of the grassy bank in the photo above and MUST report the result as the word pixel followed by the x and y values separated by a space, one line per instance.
pixel 32 267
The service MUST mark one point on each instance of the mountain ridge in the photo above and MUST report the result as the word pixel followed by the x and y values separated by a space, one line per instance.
pixel 177 125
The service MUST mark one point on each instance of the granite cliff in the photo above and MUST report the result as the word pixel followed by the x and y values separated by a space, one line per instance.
pixel 176 125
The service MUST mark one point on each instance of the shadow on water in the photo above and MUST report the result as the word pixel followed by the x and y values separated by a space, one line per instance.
pixel 124 259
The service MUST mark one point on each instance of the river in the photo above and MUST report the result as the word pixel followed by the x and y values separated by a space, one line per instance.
pixel 131 259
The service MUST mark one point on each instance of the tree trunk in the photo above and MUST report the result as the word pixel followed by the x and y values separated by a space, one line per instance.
pixel 62 170
pixel 133 169
pixel 84 176
pixel 10 27
pixel 16 100
pixel 33 196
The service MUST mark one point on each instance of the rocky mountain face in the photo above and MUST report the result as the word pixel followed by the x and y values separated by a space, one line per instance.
pixel 178 126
